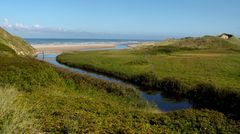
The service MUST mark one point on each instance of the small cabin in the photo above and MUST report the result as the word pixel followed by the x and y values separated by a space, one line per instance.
pixel 225 36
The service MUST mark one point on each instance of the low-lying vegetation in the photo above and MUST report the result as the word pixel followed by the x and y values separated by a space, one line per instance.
pixel 72 103
pixel 206 69
pixel 108 87
pixel 26 73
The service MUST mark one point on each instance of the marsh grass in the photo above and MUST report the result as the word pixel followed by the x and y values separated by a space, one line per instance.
pixel 106 86
pixel 203 69
pixel 73 103
pixel 212 97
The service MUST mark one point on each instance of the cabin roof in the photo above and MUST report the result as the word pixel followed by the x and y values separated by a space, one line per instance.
pixel 229 35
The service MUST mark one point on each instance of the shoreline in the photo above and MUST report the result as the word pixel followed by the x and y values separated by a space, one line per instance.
pixel 150 43
pixel 70 48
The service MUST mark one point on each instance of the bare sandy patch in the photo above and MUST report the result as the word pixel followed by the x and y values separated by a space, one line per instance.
pixel 70 48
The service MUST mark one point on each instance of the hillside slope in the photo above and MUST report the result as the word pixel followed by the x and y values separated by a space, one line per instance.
pixel 235 40
pixel 205 43
pixel 10 44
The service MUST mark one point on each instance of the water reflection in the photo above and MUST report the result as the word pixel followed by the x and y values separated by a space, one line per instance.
pixel 165 101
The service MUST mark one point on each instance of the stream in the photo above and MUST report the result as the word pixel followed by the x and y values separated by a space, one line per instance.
pixel 165 102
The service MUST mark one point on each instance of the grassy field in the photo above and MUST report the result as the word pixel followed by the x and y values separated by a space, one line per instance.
pixel 36 97
pixel 185 66
pixel 190 67
pixel 189 64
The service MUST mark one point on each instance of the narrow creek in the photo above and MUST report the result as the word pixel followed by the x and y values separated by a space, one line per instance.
pixel 163 101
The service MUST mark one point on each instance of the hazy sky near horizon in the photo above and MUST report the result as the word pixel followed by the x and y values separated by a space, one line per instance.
pixel 119 18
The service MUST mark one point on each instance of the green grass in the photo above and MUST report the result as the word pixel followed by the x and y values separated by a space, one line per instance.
pixel 26 73
pixel 191 67
pixel 181 67
pixel 36 97
pixel 58 101
pixel 59 110
pixel 5 50
pixel 16 44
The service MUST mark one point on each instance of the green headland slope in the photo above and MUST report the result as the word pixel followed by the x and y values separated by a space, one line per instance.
pixel 12 44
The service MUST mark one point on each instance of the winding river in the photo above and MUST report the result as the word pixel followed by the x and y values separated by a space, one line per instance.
pixel 163 101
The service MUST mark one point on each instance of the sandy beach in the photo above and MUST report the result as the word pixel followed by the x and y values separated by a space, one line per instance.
pixel 68 48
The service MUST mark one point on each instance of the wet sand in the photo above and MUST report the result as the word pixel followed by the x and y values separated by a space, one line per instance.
pixel 69 48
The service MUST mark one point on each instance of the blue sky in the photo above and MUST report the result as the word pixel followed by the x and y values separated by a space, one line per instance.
pixel 149 19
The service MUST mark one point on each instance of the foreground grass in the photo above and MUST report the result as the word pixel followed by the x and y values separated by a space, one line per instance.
pixel 64 111
pixel 42 98
pixel 203 69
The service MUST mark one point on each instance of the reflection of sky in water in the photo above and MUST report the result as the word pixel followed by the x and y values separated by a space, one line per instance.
pixel 163 102
pixel 166 104
pixel 122 46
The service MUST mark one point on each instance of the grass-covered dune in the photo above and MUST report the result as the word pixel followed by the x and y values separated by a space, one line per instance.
pixel 205 69
pixel 36 97
pixel 14 45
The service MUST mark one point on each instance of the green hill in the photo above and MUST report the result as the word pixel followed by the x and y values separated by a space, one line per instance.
pixel 234 40
pixel 205 43
pixel 10 44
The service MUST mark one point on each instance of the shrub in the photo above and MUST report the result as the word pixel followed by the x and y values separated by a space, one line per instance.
pixel 26 73
pixel 145 79
pixel 209 96
pixel 173 85
pixel 109 87
pixel 137 62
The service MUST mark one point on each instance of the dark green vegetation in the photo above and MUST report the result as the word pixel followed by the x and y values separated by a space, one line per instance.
pixel 58 101
pixel 206 69
pixel 36 97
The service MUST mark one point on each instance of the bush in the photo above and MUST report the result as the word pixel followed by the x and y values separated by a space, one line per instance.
pixel 209 96
pixel 173 85
pixel 137 62
pixel 26 73
pixel 145 79
pixel 109 87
